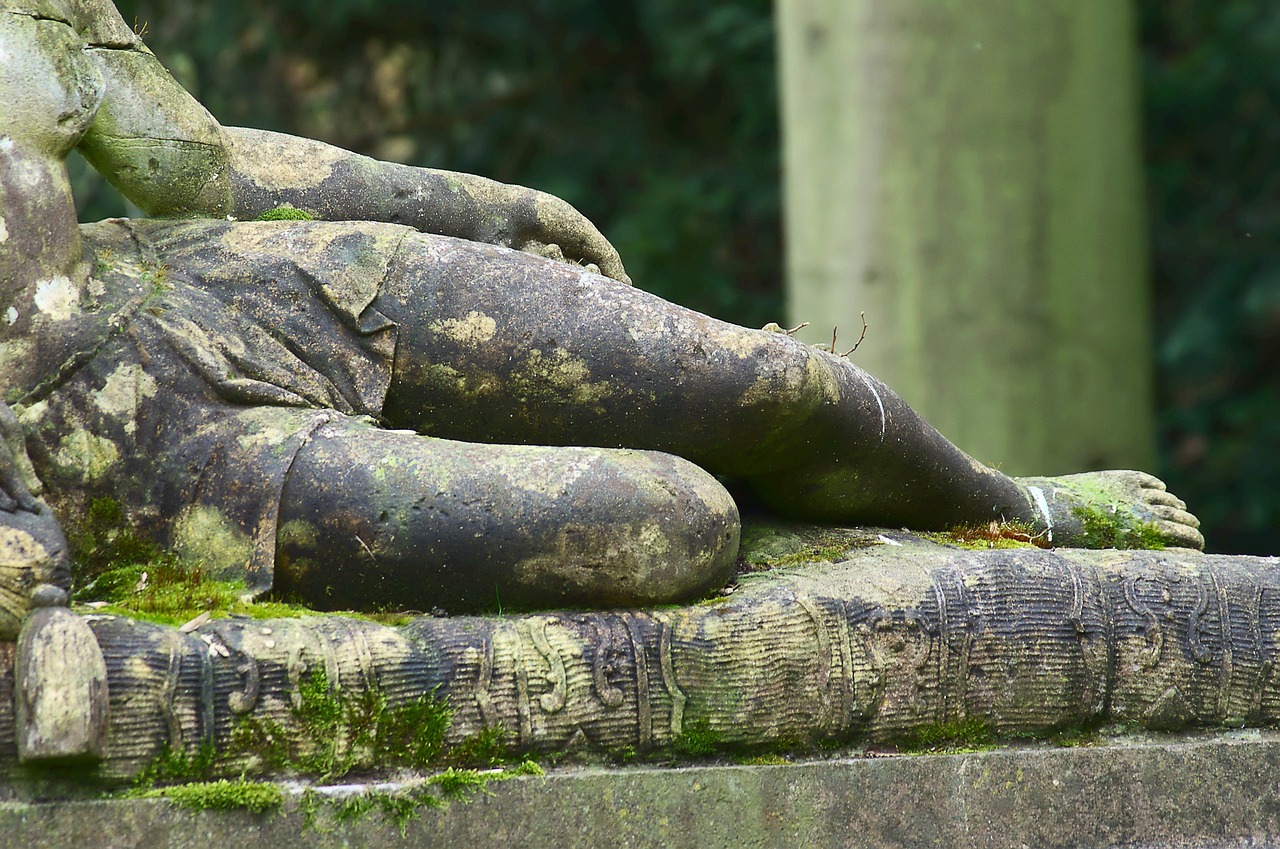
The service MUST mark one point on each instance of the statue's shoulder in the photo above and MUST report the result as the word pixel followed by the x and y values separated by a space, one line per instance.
pixel 97 22
pixel 100 25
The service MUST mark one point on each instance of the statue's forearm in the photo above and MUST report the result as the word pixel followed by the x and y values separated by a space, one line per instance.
pixel 267 170
pixel 168 155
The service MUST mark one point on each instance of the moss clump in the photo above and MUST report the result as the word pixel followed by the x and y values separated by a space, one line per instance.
pixel 338 731
pixel 121 573
pixel 697 739
pixel 222 795
pixel 1111 528
pixel 993 535
pixel 772 546
pixel 957 735
pixel 486 747
pixel 106 542
pixel 285 213
pixel 175 765
pixel 768 759
pixel 156 276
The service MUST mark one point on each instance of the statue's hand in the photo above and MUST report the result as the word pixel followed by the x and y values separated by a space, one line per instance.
pixel 35 568
pixel 17 478
pixel 545 225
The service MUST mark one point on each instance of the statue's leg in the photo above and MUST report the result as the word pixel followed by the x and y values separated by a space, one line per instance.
pixel 372 517
pixel 498 346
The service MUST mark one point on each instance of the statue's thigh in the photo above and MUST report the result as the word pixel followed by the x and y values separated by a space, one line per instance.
pixel 375 517
pixel 497 345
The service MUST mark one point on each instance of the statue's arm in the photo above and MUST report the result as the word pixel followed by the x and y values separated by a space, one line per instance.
pixel 164 151
pixel 266 170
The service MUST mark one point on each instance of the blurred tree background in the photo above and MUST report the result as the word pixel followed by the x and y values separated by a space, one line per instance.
pixel 658 119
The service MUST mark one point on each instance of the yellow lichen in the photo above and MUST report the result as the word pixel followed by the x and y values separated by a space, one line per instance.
pixel 560 375
pixel 122 391
pixel 86 455
pixel 474 328
pixel 203 537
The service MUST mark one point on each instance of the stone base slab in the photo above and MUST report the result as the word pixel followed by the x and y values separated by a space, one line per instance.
pixel 1219 790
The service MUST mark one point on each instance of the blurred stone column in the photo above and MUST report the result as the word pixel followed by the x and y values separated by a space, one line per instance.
pixel 968 173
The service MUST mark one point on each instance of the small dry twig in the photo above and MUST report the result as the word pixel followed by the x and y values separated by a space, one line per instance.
pixel 863 316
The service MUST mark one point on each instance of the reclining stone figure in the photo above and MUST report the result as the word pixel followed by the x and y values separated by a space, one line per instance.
pixel 286 401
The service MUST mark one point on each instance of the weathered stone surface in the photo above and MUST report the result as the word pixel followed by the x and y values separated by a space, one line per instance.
pixel 60 689
pixel 1214 792
pixel 900 636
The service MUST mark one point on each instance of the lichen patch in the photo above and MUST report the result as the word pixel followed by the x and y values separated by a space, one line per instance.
pixel 57 298
pixel 277 165
pixel 86 455
pixel 560 375
pixel 123 391
pixel 203 537
pixel 474 328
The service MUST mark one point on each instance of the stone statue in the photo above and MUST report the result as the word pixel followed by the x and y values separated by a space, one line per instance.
pixel 439 391
pixel 285 401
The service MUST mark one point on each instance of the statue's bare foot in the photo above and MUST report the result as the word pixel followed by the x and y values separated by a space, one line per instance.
pixel 1117 509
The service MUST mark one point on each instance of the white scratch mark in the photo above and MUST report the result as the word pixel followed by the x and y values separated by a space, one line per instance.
pixel 1037 495
pixel 871 385
pixel 884 539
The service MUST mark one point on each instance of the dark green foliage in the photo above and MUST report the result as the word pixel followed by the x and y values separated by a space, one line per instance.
pixel 1212 84
pixel 658 119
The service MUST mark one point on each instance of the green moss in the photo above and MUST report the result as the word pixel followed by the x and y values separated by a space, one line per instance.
pixel 177 765
pixel 460 783
pixel 136 578
pixel 285 213
pixel 768 545
pixel 486 747
pixel 767 759
pixel 106 542
pixel 1105 528
pixel 697 740
pixel 338 731
pixel 105 261
pixel 959 735
pixel 624 754
pixel 223 795
pixel 156 275
pixel 993 535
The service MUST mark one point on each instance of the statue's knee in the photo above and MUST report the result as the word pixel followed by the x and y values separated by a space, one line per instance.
pixel 644 528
